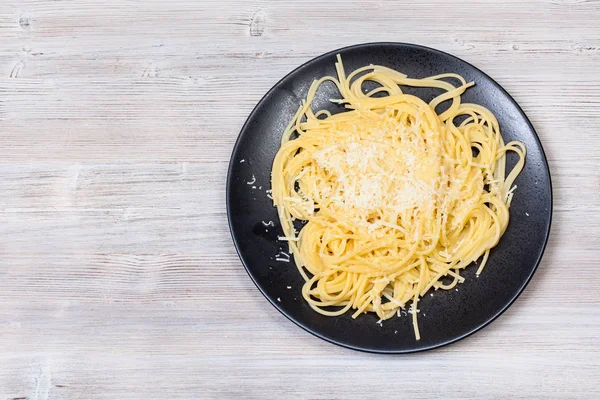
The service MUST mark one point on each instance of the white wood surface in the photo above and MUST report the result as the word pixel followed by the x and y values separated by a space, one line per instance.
pixel 118 277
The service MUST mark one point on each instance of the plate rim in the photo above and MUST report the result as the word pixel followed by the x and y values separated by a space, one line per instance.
pixel 357 347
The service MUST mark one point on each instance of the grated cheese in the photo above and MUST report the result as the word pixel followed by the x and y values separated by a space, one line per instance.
pixel 282 256
pixel 413 184
pixel 289 239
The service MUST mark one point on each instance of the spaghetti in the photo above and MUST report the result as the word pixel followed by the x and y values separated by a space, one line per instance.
pixel 397 198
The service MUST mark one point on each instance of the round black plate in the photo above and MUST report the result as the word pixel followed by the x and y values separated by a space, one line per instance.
pixel 446 316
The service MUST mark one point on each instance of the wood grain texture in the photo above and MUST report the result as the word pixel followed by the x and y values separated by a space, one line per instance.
pixel 118 278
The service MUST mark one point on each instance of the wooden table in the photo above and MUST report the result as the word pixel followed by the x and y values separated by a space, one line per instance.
pixel 118 277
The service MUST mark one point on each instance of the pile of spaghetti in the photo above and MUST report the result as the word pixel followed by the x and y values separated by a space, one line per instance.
pixel 397 198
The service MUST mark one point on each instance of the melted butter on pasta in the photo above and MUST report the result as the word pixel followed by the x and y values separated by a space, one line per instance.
pixel 393 195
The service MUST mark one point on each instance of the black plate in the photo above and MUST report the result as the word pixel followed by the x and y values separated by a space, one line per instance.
pixel 446 316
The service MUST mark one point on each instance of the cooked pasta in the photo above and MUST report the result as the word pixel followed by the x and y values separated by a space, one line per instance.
pixel 397 198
